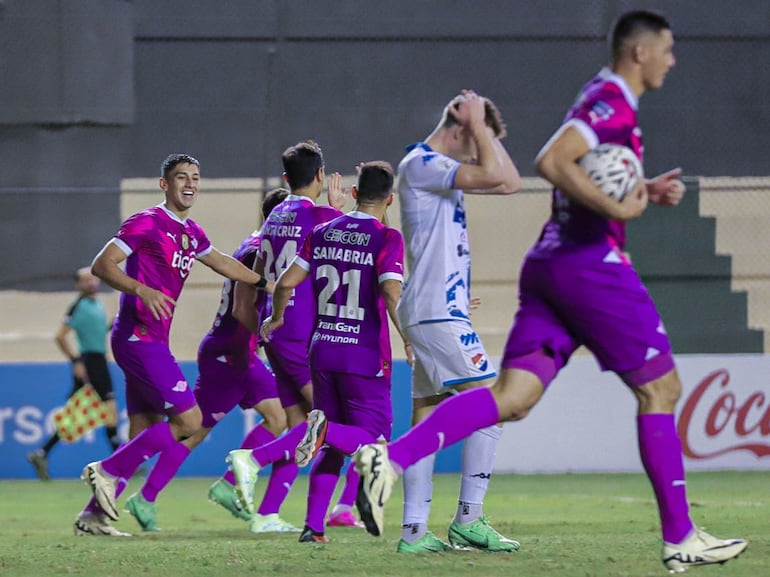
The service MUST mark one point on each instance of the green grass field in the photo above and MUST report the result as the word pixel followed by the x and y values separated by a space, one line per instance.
pixel 568 525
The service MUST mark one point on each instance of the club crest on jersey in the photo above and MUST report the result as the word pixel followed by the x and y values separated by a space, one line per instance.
pixel 480 361
pixel 185 241
pixel 600 112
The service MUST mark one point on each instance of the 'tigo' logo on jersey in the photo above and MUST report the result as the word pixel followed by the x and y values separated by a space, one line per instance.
pixel 183 262
pixel 480 361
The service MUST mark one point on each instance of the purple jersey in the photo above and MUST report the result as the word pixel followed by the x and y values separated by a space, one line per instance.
pixel 283 234
pixel 604 112
pixel 227 336
pixel 161 250
pixel 348 258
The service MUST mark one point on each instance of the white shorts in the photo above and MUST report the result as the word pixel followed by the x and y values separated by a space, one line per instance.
pixel 446 354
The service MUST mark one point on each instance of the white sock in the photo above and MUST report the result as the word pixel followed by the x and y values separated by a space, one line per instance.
pixel 418 492
pixel 478 460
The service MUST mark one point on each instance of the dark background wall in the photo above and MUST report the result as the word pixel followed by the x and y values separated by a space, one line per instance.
pixel 93 91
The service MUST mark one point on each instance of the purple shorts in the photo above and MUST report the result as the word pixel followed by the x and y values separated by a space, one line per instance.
pixel 288 359
pixel 568 301
pixel 154 382
pixel 220 387
pixel 355 400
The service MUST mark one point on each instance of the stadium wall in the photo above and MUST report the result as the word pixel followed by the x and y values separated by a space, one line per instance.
pixel 585 423
pixel 96 91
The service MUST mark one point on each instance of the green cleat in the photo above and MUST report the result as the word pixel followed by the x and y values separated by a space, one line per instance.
pixel 428 543
pixel 223 493
pixel 479 534
pixel 245 469
pixel 143 511
pixel 271 523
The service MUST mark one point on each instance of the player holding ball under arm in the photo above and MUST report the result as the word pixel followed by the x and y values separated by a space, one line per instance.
pixel 572 280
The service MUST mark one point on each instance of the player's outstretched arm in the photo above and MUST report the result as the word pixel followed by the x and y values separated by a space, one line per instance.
pixel 233 269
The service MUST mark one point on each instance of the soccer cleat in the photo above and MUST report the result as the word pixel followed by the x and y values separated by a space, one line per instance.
pixel 310 536
pixel 40 462
pixel 103 486
pixel 271 523
pixel 143 511
pixel 377 478
pixel 428 543
pixel 245 469
pixel 343 519
pixel 700 548
pixel 223 493
pixel 92 524
pixel 313 440
pixel 479 534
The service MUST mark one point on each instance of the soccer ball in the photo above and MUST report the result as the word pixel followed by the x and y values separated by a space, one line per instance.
pixel 613 168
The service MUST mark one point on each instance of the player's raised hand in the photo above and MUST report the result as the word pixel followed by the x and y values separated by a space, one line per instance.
pixel 336 194
pixel 160 304
pixel 667 189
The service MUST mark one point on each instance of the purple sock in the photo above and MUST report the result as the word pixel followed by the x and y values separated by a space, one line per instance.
pixel 324 475
pixel 279 484
pixel 347 438
pixel 93 507
pixel 350 490
pixel 258 436
pixel 661 452
pixel 126 460
pixel 282 448
pixel 451 421
pixel 169 461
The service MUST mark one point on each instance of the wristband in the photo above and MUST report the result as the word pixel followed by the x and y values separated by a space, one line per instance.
pixel 76 359
pixel 261 283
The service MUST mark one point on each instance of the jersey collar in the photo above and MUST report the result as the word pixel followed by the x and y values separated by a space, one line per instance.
pixel 610 76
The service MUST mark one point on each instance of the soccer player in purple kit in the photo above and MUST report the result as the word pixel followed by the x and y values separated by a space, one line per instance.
pixel 355 266
pixel 159 246
pixel 572 281
pixel 230 374
pixel 283 234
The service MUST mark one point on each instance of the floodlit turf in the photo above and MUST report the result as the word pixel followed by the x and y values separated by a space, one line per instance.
pixel 568 525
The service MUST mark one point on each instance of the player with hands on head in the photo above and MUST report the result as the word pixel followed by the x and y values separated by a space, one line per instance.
pixel 463 155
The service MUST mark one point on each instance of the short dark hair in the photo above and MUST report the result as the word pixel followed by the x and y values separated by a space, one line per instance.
pixel 492 118
pixel 375 181
pixel 301 163
pixel 633 22
pixel 272 199
pixel 173 159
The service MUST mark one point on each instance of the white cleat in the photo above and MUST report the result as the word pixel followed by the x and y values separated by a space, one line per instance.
pixel 700 548
pixel 94 525
pixel 245 469
pixel 103 486
pixel 375 486
pixel 271 523
pixel 314 437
